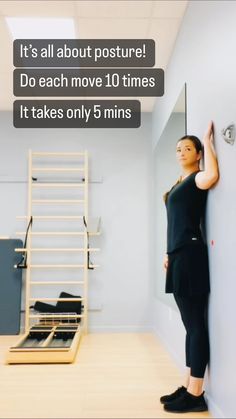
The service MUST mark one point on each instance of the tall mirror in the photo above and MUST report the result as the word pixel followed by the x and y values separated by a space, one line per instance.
pixel 166 172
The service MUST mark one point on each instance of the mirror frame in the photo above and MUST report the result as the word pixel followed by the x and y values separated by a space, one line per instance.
pixel 164 162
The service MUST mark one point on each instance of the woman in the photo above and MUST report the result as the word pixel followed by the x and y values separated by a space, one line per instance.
pixel 186 263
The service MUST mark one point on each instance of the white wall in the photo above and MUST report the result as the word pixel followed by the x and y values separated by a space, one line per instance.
pixel 121 158
pixel 204 57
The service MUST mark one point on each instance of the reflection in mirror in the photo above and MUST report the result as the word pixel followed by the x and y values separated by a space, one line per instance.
pixel 166 173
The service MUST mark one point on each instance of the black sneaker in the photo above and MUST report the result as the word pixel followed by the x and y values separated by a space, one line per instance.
pixel 173 396
pixel 187 403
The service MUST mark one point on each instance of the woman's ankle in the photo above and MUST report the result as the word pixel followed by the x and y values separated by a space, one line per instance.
pixel 194 393
pixel 195 386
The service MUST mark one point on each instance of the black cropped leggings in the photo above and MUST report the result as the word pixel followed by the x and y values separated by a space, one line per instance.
pixel 193 312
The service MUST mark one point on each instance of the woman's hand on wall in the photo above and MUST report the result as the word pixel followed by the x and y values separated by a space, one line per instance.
pixel 206 178
pixel 209 134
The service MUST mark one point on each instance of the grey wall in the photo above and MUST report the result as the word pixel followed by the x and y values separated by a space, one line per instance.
pixel 204 58
pixel 121 158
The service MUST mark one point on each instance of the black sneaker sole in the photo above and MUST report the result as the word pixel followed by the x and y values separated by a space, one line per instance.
pixel 193 409
pixel 168 401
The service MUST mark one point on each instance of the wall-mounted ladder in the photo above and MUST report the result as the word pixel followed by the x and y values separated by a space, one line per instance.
pixel 49 173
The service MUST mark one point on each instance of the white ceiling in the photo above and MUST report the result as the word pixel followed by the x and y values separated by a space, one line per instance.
pixel 94 19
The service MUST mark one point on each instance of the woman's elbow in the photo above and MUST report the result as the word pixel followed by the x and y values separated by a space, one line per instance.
pixel 216 175
pixel 206 180
pixel 213 179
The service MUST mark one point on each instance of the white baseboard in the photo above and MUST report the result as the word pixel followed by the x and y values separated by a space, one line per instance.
pixel 214 409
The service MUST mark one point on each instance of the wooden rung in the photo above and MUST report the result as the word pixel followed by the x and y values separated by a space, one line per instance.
pixel 59 154
pixel 58 201
pixel 63 330
pixel 56 266
pixel 43 328
pixel 54 233
pixel 57 185
pixel 57 169
pixel 55 299
pixel 63 316
pixel 23 250
pixel 56 282
pixel 61 266
pixel 51 217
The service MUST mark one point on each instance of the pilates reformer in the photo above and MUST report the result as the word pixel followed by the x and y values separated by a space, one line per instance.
pixel 53 333
pixel 47 343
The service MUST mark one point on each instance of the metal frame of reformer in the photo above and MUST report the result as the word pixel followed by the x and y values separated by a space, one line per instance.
pixel 39 342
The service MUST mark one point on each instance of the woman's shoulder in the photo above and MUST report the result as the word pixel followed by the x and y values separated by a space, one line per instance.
pixel 190 183
pixel 204 181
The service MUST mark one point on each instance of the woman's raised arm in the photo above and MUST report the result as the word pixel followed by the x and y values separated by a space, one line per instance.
pixel 210 175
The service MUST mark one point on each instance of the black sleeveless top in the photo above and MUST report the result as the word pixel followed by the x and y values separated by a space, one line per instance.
pixel 185 205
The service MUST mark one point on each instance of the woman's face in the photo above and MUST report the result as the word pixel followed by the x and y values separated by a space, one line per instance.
pixel 186 153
